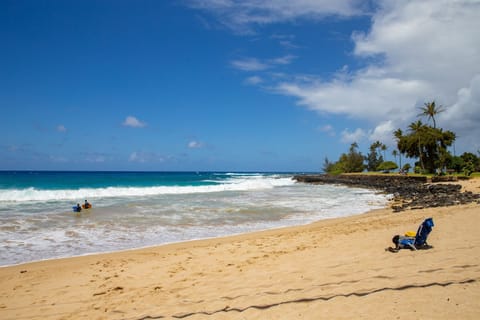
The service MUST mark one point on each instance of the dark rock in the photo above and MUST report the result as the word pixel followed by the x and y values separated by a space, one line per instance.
pixel 408 192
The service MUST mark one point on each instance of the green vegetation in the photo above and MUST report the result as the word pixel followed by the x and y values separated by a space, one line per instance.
pixel 350 162
pixel 406 168
pixel 387 166
pixel 426 143
pixel 374 158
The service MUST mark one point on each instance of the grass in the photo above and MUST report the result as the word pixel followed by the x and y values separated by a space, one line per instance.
pixel 474 175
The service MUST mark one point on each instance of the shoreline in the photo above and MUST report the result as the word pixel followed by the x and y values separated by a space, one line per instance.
pixel 227 237
pixel 335 268
pixel 290 212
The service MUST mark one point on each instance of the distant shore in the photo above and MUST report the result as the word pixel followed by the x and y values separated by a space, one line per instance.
pixel 332 269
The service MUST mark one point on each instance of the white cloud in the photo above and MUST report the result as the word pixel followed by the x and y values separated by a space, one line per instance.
pixel 95 158
pixel 413 52
pixel 435 41
pixel 365 96
pixel 254 80
pixel 242 16
pixel 384 133
pixel 327 129
pixel 254 64
pixel 287 59
pixel 463 117
pixel 136 157
pixel 355 136
pixel 61 128
pixel 195 144
pixel 249 64
pixel 418 51
pixel 144 157
pixel 285 40
pixel 133 122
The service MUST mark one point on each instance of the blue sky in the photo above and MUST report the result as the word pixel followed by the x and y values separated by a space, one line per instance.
pixel 228 85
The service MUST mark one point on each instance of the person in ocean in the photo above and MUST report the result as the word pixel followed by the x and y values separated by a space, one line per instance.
pixel 78 208
pixel 87 205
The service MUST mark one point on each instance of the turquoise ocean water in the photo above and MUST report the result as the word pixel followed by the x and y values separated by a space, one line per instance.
pixel 140 209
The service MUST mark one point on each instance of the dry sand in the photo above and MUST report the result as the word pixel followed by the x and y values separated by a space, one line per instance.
pixel 334 269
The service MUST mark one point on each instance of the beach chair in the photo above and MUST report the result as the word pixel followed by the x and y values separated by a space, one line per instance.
pixel 422 234
pixel 417 242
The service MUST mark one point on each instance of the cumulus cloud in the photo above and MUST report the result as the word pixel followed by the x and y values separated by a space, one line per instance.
pixel 365 95
pixel 133 122
pixel 434 41
pixel 353 136
pixel 418 51
pixel 413 52
pixel 61 128
pixel 463 117
pixel 383 132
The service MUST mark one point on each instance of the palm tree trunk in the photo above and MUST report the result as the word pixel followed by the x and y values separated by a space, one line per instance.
pixel 420 156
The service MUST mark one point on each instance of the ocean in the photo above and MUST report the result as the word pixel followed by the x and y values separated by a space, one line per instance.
pixel 141 209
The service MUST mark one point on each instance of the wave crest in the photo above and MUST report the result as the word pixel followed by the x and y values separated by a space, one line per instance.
pixel 237 184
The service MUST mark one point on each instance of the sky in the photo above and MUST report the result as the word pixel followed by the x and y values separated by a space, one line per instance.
pixel 227 85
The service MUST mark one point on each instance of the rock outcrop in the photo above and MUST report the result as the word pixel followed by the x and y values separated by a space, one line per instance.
pixel 408 192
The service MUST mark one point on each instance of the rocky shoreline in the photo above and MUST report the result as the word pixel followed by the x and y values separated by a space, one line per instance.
pixel 409 192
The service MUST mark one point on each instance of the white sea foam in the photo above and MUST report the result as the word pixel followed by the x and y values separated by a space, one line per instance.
pixel 124 218
pixel 241 183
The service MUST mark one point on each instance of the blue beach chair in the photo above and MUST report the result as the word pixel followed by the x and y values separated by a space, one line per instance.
pixel 422 234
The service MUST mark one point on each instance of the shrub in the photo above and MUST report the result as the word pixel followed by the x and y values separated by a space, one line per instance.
pixel 387 166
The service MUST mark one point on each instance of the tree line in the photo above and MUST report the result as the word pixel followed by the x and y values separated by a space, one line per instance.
pixel 426 143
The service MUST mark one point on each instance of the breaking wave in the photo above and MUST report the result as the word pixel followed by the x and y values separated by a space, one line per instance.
pixel 241 183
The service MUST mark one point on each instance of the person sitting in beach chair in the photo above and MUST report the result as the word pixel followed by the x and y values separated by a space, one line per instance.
pixel 414 242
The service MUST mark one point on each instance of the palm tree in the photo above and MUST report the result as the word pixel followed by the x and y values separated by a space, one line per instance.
pixel 374 146
pixel 383 147
pixel 415 128
pixel 395 154
pixel 398 136
pixel 353 146
pixel 430 110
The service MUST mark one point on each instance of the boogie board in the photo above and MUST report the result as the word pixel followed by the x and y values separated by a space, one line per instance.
pixel 89 206
pixel 412 234
pixel 75 209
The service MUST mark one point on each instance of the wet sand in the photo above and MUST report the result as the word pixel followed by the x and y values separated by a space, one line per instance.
pixel 332 269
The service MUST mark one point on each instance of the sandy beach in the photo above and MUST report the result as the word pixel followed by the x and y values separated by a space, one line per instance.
pixel 332 269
